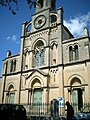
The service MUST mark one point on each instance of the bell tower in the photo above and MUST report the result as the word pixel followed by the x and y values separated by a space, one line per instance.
pixel 41 18
pixel 43 4
pixel 44 38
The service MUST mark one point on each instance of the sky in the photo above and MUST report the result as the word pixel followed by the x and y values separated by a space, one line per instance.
pixel 76 17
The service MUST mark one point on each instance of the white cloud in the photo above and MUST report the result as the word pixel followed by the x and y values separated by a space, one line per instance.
pixel 14 38
pixel 8 38
pixel 77 24
pixel 17 42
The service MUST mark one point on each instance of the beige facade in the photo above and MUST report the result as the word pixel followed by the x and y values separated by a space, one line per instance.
pixel 51 64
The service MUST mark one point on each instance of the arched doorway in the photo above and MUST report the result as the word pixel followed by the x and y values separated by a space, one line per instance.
pixel 36 92
pixel 10 95
pixel 37 96
pixel 77 98
pixel 77 94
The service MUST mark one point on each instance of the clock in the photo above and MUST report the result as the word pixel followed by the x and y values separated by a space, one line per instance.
pixel 39 21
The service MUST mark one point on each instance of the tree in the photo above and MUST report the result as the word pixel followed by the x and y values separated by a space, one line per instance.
pixel 31 3
pixel 8 3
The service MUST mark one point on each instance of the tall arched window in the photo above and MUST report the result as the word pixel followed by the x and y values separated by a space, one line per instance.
pixel 39 53
pixel 54 53
pixel 37 57
pixel 76 52
pixel 13 66
pixel 42 57
pixel 11 69
pixel 70 53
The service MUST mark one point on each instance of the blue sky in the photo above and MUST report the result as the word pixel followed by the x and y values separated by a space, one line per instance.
pixel 76 17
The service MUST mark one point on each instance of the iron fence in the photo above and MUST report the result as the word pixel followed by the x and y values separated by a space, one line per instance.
pixel 81 107
pixel 37 109
pixel 85 107
pixel 43 109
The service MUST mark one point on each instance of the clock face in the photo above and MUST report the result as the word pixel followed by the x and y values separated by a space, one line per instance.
pixel 39 21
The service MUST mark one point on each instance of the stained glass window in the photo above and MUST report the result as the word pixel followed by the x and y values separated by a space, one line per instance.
pixel 42 57
pixel 39 53
pixel 37 58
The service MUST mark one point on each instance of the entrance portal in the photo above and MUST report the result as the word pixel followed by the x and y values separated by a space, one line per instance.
pixel 37 96
pixel 37 99
pixel 77 99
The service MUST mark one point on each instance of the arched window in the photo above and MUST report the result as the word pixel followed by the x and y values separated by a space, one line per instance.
pixel 70 53
pixel 39 53
pixel 42 57
pixel 26 59
pixel 13 66
pixel 37 57
pixel 11 69
pixel 53 18
pixel 54 53
pixel 76 52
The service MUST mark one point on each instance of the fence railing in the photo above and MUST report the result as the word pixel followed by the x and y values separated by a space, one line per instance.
pixel 81 107
pixel 86 107
pixel 44 109
pixel 37 109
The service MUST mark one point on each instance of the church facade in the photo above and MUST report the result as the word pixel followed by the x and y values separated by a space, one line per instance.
pixel 52 63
